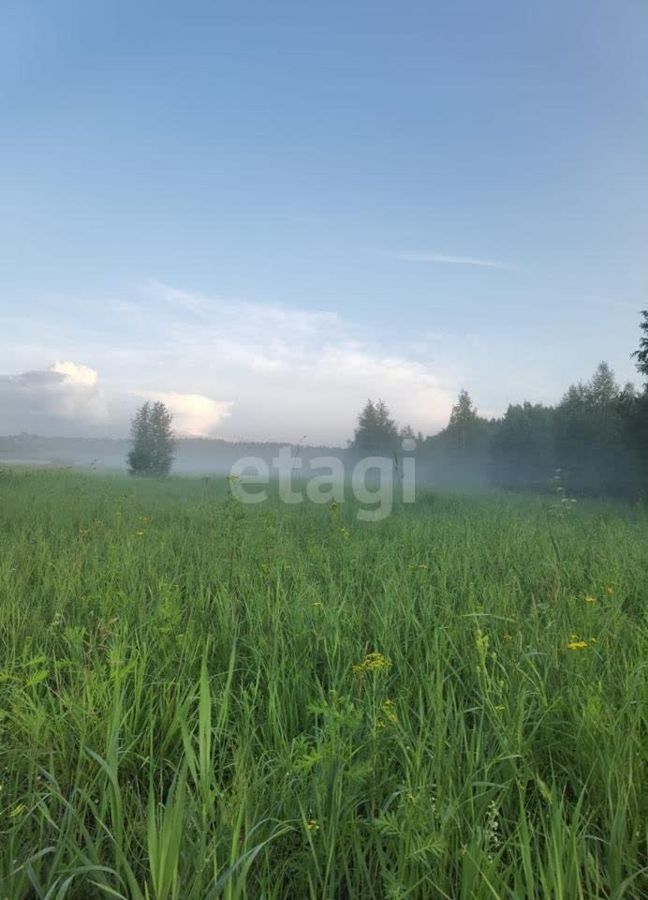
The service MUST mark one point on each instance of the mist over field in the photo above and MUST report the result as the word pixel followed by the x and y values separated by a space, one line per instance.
pixel 199 456
pixel 593 442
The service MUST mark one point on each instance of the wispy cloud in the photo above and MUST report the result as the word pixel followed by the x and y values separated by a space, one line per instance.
pixel 444 258
pixel 308 321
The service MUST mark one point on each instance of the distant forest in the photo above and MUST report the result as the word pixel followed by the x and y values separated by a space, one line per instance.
pixel 594 442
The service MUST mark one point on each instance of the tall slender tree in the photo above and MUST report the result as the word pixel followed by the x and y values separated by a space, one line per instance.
pixel 463 422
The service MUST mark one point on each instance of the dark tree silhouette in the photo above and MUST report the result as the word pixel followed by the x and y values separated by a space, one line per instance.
pixel 376 432
pixel 596 436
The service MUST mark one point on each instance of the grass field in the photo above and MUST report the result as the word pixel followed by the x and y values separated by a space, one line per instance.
pixel 201 699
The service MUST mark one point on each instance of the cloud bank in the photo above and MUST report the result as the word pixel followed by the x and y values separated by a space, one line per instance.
pixel 68 398
pixel 226 367
pixel 54 398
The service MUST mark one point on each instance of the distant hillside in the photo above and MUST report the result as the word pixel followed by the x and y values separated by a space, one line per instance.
pixel 193 455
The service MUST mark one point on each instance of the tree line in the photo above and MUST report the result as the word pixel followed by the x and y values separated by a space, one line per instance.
pixel 594 441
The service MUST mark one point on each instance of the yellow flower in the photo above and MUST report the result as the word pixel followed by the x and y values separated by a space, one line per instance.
pixel 609 590
pixel 373 662
pixel 590 599
pixel 577 645
pixel 500 708
pixel 312 825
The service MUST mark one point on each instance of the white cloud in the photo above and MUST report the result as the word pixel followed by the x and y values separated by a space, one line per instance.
pixel 193 414
pixel 292 371
pixel 443 258
pixel 235 312
pixel 52 400
pixel 228 368
pixel 74 374
pixel 68 398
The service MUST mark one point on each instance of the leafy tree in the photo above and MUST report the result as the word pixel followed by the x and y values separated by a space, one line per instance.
pixel 153 446
pixel 642 353
pixel 376 432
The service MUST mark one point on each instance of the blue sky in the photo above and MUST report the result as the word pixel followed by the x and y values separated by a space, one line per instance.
pixel 265 212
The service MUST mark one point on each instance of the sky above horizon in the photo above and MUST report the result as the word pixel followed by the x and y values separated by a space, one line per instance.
pixel 264 213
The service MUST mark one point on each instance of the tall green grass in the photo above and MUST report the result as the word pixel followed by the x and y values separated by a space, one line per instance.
pixel 190 707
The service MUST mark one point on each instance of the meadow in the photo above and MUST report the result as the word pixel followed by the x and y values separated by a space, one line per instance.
pixel 201 699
